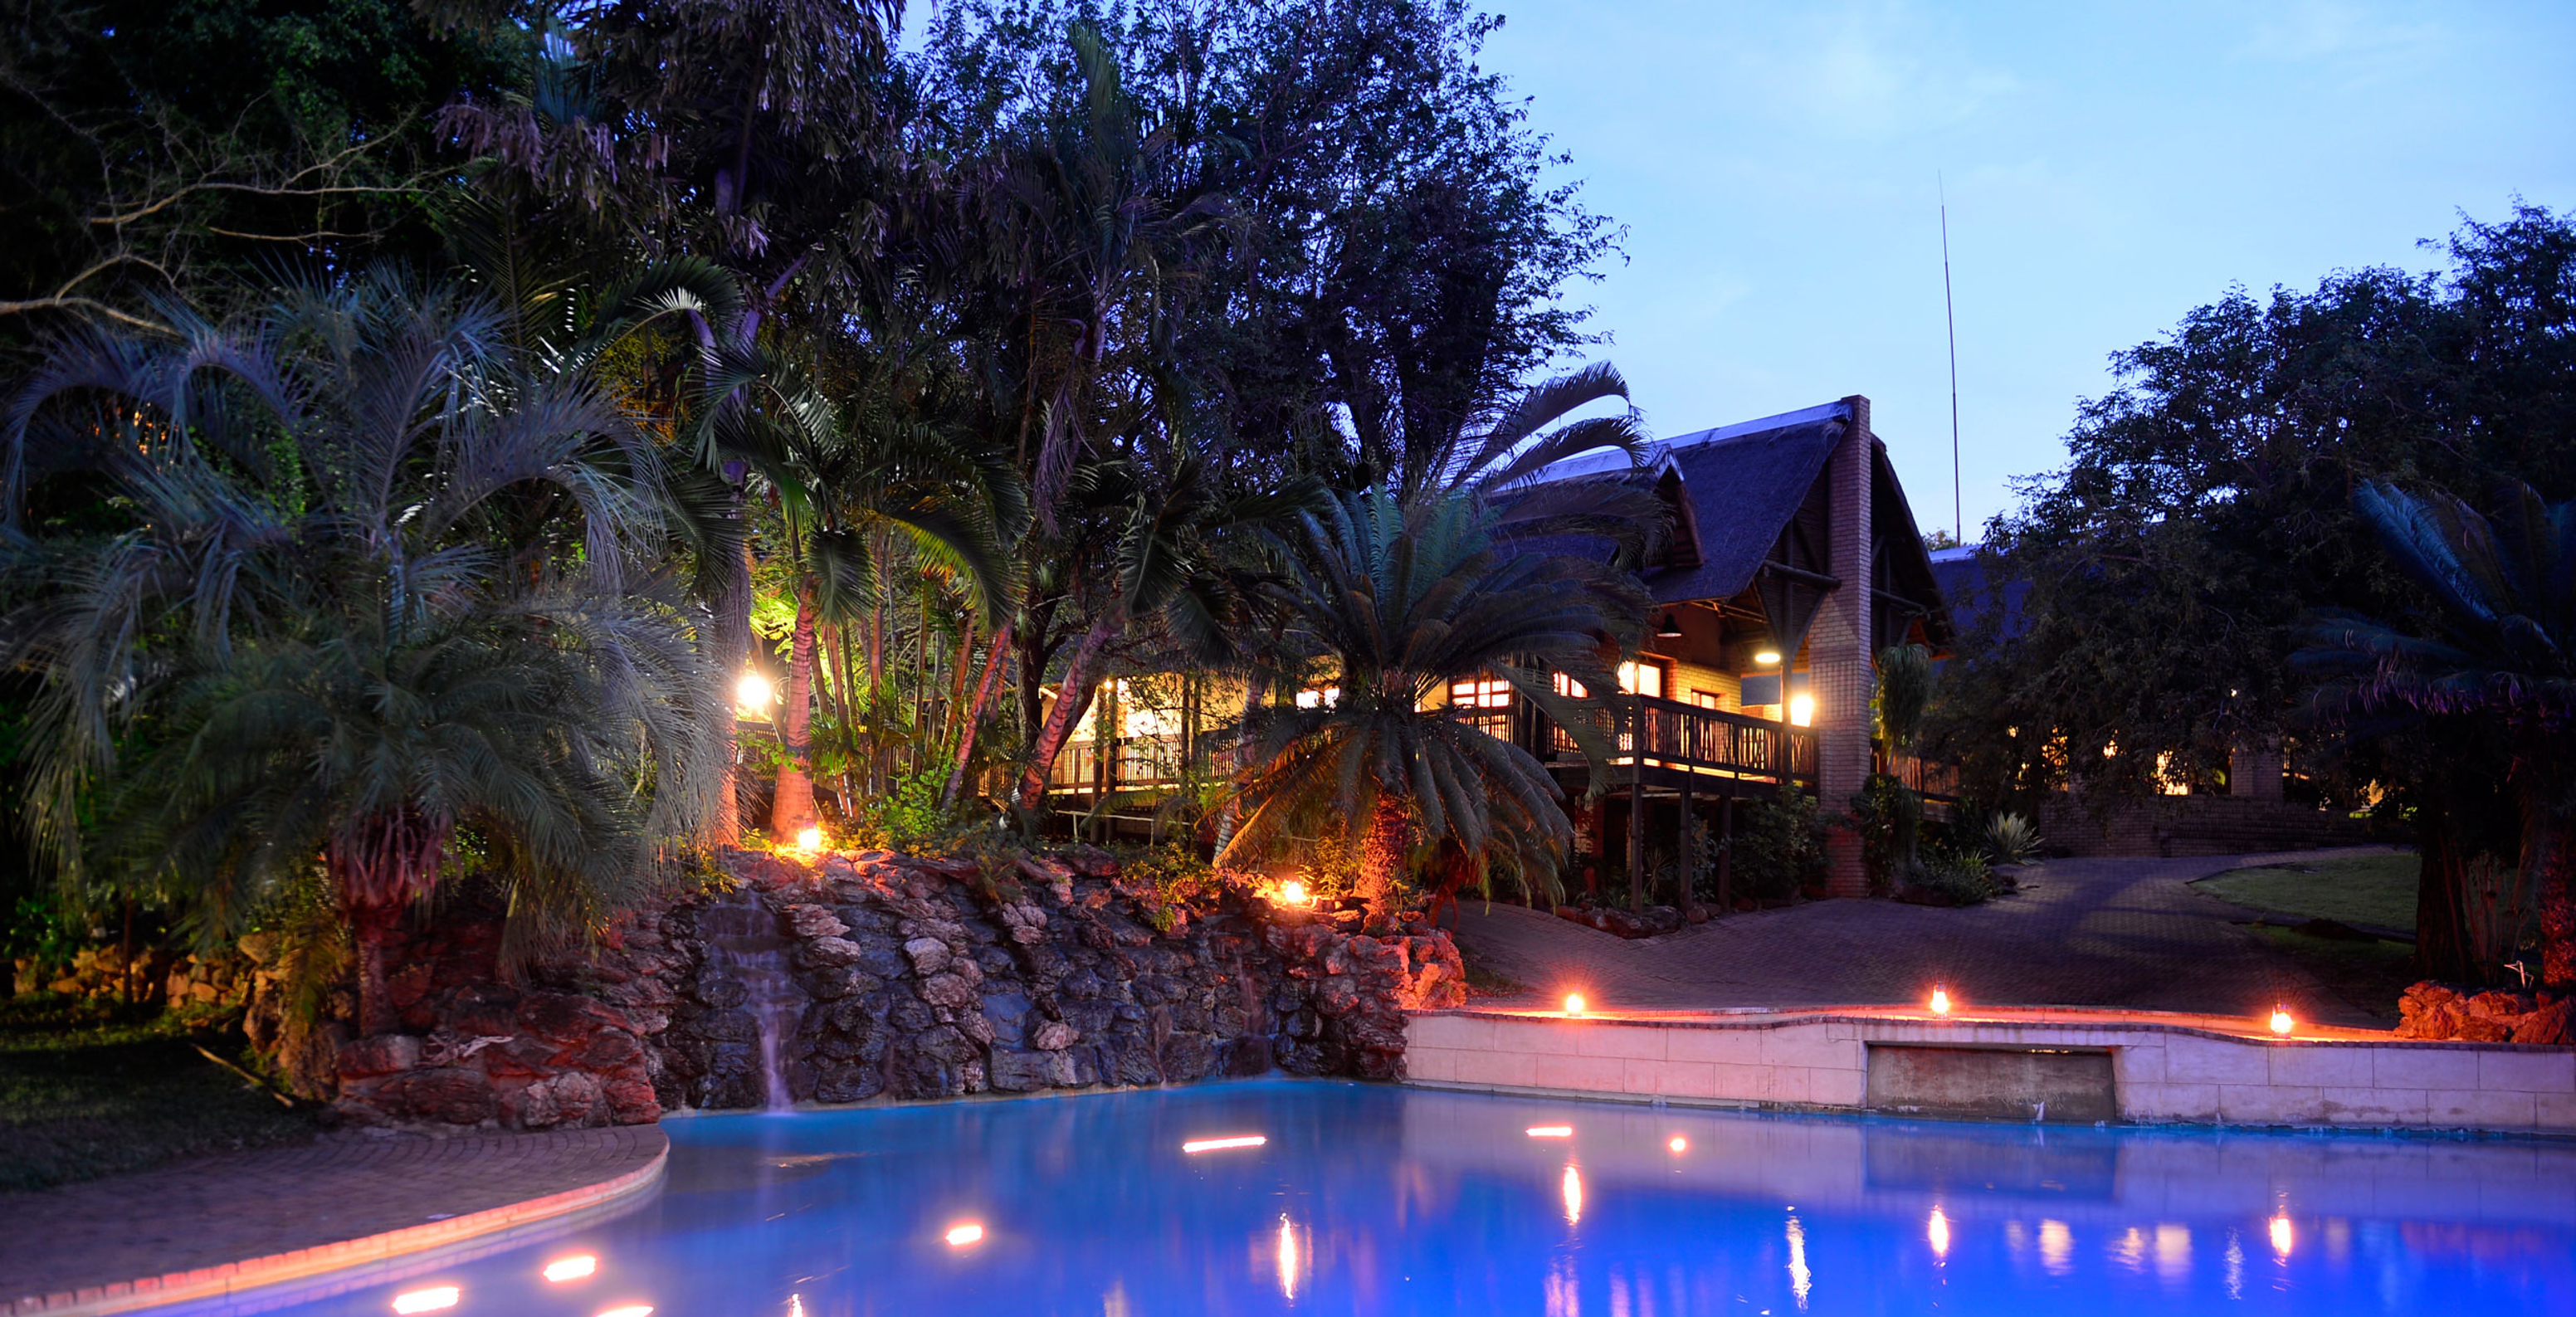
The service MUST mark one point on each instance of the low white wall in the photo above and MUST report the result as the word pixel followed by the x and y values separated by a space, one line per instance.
pixel 2165 1070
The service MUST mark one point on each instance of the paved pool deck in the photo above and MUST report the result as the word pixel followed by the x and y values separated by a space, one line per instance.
pixel 2130 934
pixel 221 1225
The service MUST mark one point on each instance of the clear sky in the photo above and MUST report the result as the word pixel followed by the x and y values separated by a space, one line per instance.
pixel 2108 167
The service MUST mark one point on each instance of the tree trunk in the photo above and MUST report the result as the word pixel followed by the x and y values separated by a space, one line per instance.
pixel 1386 851
pixel 2441 947
pixel 732 607
pixel 1231 817
pixel 1071 700
pixel 374 927
pixel 2549 874
pixel 793 811
pixel 974 718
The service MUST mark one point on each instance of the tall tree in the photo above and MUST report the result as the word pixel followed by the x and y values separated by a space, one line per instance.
pixel 2498 647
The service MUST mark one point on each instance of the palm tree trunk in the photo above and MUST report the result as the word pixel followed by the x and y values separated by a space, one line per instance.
pixel 1071 700
pixel 374 926
pixel 1384 853
pixel 793 811
pixel 2549 872
pixel 732 607
pixel 974 717
pixel 1231 817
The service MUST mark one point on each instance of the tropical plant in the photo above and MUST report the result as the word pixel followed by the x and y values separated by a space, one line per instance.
pixel 364 585
pixel 2010 839
pixel 1891 811
pixel 1402 600
pixel 2497 645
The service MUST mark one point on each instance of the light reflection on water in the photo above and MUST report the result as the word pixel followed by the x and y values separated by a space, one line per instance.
pixel 1378 1200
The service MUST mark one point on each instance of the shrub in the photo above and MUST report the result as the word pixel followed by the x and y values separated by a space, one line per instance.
pixel 1778 846
pixel 1959 876
pixel 2011 839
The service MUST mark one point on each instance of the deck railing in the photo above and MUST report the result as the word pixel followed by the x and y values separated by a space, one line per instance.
pixel 1687 738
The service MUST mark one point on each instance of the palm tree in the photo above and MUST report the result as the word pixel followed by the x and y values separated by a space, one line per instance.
pixel 372 594
pixel 852 482
pixel 1403 599
pixel 2500 649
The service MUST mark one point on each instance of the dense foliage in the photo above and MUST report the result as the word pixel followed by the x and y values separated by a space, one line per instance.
pixel 2159 583
pixel 426 413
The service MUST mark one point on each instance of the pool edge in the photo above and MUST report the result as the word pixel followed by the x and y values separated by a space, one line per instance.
pixel 491 1226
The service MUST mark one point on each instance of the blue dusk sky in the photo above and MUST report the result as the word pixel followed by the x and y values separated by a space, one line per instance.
pixel 2108 167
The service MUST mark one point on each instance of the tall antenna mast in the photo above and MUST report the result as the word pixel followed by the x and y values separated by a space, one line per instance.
pixel 1950 314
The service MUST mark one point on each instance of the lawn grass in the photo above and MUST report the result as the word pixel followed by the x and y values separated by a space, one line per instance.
pixel 91 1088
pixel 2366 891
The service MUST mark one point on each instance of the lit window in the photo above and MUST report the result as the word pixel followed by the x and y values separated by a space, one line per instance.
pixel 1488 694
pixel 1709 699
pixel 1319 699
pixel 1642 679
pixel 1570 688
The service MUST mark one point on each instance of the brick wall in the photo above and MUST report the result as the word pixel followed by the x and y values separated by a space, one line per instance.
pixel 1838 653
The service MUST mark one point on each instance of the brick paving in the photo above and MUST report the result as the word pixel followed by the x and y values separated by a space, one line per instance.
pixel 2124 933
pixel 57 1246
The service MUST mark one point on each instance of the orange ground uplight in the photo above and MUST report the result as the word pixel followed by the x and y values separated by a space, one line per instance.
pixel 1574 1003
pixel 1940 999
pixel 2282 1023
pixel 1292 892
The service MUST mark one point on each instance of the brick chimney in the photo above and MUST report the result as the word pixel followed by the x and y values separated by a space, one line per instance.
pixel 1841 670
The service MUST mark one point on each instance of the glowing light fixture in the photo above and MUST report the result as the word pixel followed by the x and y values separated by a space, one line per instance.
pixel 1767 657
pixel 1678 1144
pixel 1940 999
pixel 428 1300
pixel 1230 1141
pixel 1802 710
pixel 578 1267
pixel 2283 1234
pixel 2282 1024
pixel 965 1234
pixel 1574 1003
pixel 1670 628
pixel 1292 892
pixel 752 695
pixel 1572 1186
pixel 1938 1231
pixel 809 840
pixel 1551 1131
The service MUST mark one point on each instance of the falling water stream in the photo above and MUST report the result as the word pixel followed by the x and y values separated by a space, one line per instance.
pixel 745 939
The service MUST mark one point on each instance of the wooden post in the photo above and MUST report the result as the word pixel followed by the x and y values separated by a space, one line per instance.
pixel 1637 810
pixel 1726 854
pixel 1688 865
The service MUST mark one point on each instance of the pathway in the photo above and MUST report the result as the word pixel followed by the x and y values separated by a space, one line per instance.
pixel 208 1213
pixel 2093 932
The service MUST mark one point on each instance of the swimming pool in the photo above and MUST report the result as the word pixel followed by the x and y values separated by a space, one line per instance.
pixel 1285 1196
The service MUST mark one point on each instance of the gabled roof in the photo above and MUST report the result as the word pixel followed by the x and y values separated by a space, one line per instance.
pixel 1744 482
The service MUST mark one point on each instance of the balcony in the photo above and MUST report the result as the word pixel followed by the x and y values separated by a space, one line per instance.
pixel 1676 738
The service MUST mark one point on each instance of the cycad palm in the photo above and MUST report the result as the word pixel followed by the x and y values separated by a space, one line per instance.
pixel 1403 599
pixel 2502 647
pixel 374 587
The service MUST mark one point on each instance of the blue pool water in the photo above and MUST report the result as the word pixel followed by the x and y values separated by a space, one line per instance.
pixel 1381 1200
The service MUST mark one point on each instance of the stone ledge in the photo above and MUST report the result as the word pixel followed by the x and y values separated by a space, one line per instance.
pixel 488 1227
pixel 2169 1067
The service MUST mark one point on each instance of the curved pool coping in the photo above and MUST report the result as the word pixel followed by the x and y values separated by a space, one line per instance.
pixel 362 1260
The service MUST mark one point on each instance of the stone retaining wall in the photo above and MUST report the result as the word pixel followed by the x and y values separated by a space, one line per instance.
pixel 911 979
pixel 2182 1069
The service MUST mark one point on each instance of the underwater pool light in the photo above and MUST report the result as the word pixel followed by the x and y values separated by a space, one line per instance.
pixel 428 1300
pixel 577 1267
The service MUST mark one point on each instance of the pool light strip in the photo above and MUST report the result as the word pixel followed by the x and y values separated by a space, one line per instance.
pixel 1195 1146
pixel 1551 1131
pixel 578 1267
pixel 428 1300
